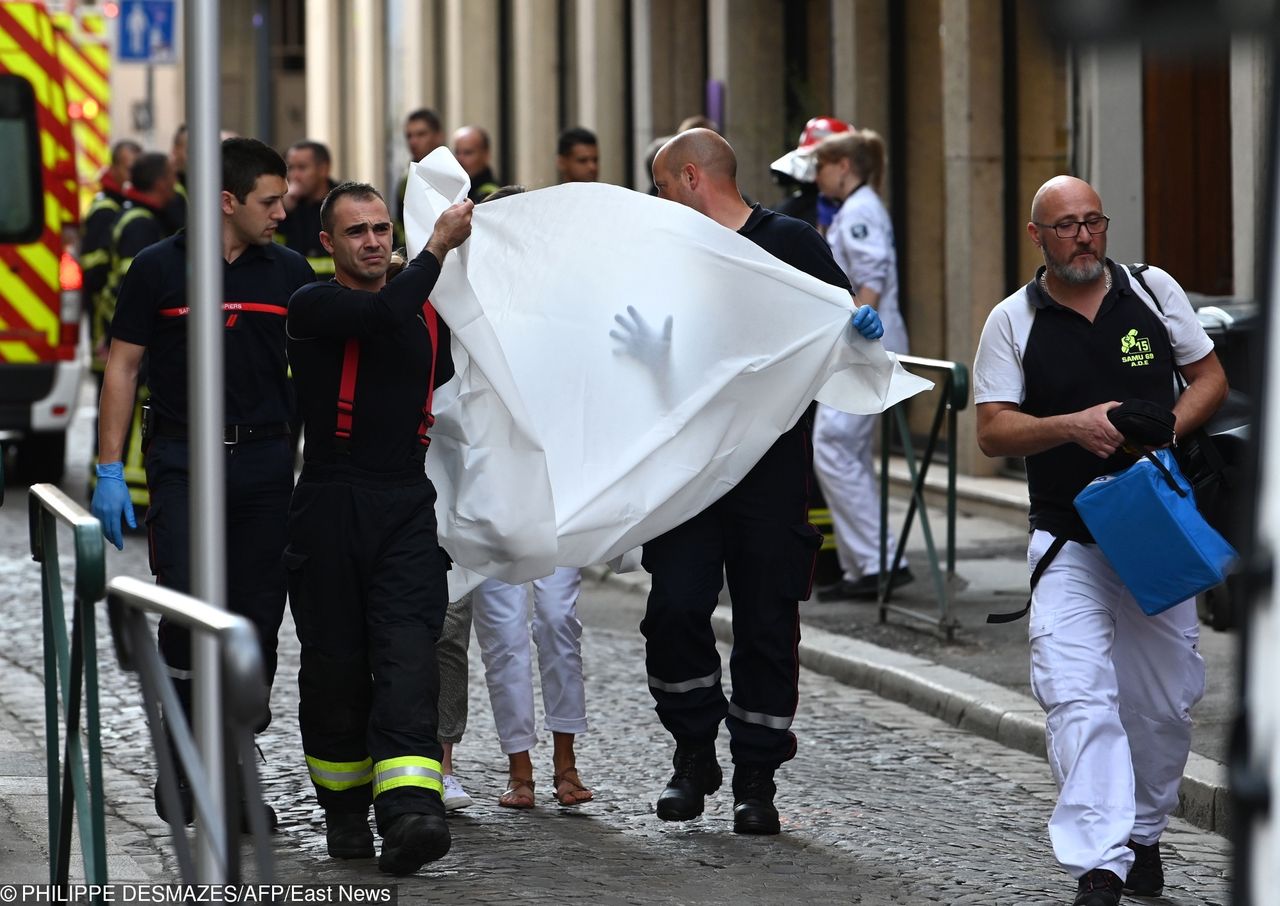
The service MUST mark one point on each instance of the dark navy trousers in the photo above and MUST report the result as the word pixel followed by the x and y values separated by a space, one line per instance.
pixel 368 592
pixel 758 535
pixel 259 481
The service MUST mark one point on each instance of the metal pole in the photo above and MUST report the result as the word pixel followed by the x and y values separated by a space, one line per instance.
pixel 151 104
pixel 205 403
pixel 262 69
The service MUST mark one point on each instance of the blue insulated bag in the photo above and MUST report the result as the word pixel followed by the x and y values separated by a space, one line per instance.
pixel 1146 523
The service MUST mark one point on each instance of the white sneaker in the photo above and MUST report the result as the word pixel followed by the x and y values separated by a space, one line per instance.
pixel 455 797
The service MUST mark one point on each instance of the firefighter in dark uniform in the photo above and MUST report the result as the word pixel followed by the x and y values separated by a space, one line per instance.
pixel 366 573
pixel 259 277
pixel 142 222
pixel 95 239
pixel 757 534
pixel 309 183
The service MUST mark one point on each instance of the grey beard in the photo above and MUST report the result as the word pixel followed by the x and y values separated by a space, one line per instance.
pixel 1077 275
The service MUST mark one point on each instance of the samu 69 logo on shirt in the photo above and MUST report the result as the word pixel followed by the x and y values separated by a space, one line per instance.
pixel 1135 351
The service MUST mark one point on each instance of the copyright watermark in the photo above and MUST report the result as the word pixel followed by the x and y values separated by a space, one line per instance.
pixel 369 894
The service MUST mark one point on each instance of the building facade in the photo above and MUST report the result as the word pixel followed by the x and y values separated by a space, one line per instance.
pixel 976 105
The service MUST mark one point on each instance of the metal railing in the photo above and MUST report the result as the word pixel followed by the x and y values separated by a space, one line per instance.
pixel 70 665
pixel 244 697
pixel 953 397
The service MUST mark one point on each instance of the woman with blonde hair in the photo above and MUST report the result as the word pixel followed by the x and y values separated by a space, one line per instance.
pixel 850 171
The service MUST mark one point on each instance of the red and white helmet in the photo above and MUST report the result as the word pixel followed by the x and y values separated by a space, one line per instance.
pixel 800 164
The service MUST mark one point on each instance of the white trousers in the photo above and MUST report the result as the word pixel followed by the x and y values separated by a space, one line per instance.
pixel 1117 687
pixel 842 451
pixel 501 619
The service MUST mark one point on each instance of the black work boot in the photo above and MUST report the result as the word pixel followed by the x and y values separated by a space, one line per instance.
pixel 753 792
pixel 411 841
pixel 697 775
pixel 273 821
pixel 186 801
pixel 348 835
pixel 1098 887
pixel 1146 877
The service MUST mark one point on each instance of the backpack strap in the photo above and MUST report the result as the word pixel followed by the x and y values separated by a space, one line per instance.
pixel 1045 560
pixel 1135 271
pixel 1213 459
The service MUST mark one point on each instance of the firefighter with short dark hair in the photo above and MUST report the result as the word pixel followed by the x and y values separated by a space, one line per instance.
pixel 367 579
pixel 259 276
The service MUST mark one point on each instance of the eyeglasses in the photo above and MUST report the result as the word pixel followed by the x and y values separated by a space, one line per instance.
pixel 1069 229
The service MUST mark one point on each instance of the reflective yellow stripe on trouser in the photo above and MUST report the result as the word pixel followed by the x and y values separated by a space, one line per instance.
pixel 340 775
pixel 408 770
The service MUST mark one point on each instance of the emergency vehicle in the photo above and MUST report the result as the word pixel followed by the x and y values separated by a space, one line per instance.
pixel 40 306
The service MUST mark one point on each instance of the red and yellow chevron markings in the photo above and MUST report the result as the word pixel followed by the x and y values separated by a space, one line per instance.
pixel 29 274
pixel 85 59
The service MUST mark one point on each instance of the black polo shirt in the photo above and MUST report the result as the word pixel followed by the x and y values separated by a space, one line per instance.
pixel 794 242
pixel 1050 360
pixel 394 371
pixel 152 311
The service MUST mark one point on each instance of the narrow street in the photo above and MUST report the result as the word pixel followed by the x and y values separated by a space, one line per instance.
pixel 882 804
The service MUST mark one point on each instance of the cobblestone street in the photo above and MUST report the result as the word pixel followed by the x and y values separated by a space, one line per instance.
pixel 881 805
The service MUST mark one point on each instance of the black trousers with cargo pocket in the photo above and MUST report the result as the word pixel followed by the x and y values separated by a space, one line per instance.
pixel 259 481
pixel 757 535
pixel 368 592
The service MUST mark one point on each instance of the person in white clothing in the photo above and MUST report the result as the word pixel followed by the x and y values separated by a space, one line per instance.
pixel 501 618
pixel 1117 686
pixel 850 166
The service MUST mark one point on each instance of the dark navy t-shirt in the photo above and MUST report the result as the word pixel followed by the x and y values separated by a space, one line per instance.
pixel 395 368
pixel 152 310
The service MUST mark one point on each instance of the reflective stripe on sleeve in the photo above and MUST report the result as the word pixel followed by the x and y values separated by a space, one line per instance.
pixel 96 258
pixel 762 720
pixel 340 775
pixel 408 770
pixel 701 682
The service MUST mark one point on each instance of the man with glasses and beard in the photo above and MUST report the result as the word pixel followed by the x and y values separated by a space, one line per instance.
pixel 1117 686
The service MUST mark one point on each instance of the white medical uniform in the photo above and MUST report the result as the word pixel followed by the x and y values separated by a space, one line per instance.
pixel 861 239
pixel 1117 686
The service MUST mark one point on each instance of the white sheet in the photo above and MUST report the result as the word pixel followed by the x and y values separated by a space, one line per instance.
pixel 559 445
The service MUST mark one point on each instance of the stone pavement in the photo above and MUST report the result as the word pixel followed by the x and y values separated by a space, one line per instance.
pixel 882 805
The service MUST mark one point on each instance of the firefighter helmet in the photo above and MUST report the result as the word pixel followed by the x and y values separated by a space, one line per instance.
pixel 799 163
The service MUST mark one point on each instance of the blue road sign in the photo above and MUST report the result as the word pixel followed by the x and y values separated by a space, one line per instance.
pixel 146 31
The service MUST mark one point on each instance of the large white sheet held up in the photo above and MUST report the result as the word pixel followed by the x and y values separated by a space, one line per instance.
pixel 558 444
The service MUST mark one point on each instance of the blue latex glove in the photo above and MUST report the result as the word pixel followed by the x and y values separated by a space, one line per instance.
pixel 111 502
pixel 826 211
pixel 867 323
